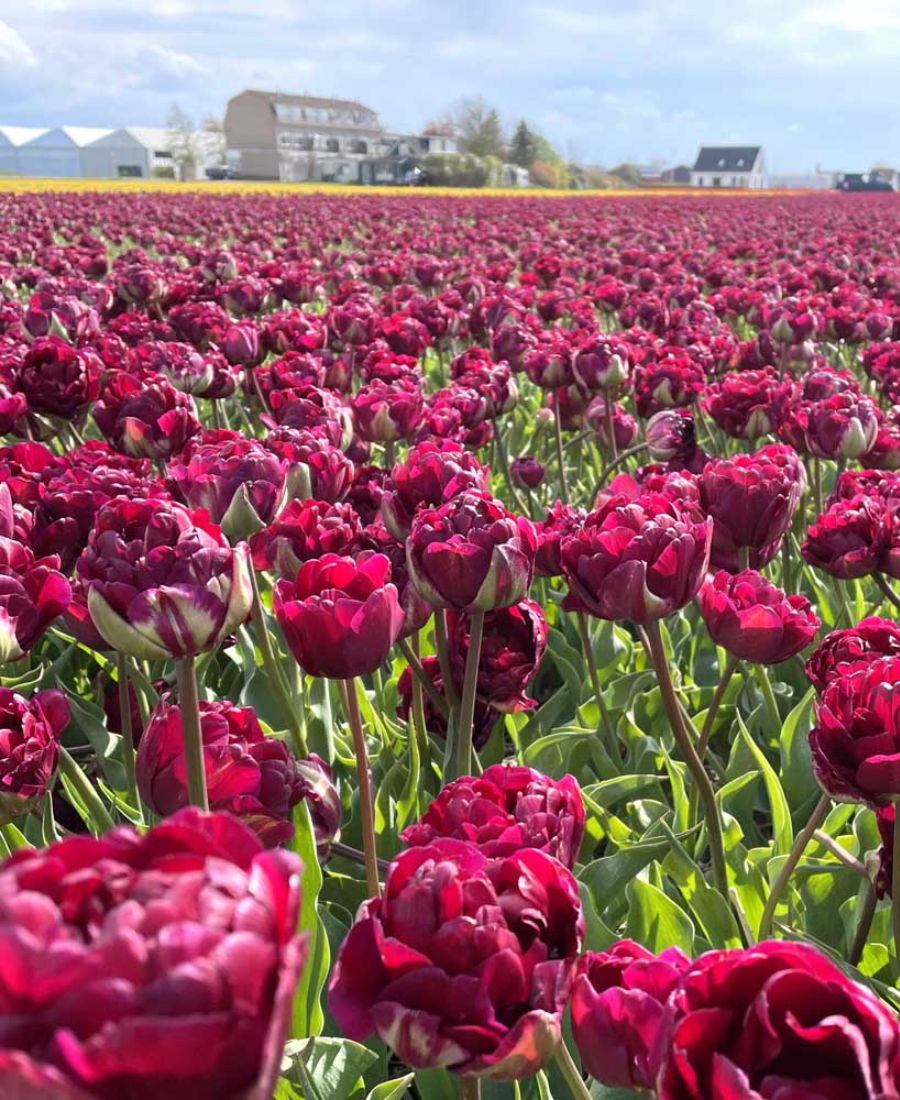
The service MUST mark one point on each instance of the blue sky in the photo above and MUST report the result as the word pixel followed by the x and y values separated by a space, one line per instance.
pixel 813 80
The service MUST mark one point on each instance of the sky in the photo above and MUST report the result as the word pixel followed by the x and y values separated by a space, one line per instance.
pixel 814 81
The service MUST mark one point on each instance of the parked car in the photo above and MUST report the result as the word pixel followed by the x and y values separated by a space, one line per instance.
pixel 221 172
pixel 863 181
pixel 415 177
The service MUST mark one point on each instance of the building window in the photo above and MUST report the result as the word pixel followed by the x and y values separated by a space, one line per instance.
pixel 358 146
pixel 717 181
pixel 332 145
pixel 699 181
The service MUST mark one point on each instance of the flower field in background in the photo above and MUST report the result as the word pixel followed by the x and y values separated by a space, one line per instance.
pixel 448 646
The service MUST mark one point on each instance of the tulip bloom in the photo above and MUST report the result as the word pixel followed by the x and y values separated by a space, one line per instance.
pixel 752 500
pixel 471 554
pixel 869 640
pixel 754 620
pixel 433 473
pixel 30 733
pixel 160 582
pixel 749 404
pixel 145 416
pixel 176 984
pixel 235 480
pixel 527 472
pixel 249 775
pixel 618 1008
pixel 513 646
pixel 305 530
pixel 850 540
pixel 340 617
pixel 386 411
pixel 313 466
pixel 447 969
pixel 842 426
pixel 855 741
pixel 636 561
pixel 59 380
pixel 504 810
pixel 775 1019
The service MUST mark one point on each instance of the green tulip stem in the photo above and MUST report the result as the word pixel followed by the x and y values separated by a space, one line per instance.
pixel 560 457
pixel 886 589
pixel 420 726
pixel 364 778
pixel 786 579
pixel 864 925
pixel 421 677
pixel 817 486
pixel 610 431
pixel 706 733
pixel 787 868
pixel 769 698
pixel 189 701
pixel 217 416
pixel 442 646
pixel 85 790
pixel 463 762
pixel 578 1090
pixel 605 720
pixel 688 752
pixel 128 758
pixel 390 454
pixel 895 883
pixel 469 1088
pixel 294 711
pixel 743 557
pixel 503 457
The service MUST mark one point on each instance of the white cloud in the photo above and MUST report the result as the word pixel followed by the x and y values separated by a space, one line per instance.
pixel 15 53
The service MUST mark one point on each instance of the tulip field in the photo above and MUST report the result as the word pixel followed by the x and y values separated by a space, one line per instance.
pixel 449 646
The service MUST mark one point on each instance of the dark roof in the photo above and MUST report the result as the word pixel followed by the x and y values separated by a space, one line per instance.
pixel 727 158
pixel 307 100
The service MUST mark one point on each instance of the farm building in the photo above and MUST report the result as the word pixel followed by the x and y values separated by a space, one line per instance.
pixel 12 138
pixel 58 153
pixel 741 166
pixel 133 151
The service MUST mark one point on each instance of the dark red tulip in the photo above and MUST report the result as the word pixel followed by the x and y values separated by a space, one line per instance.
pixel 504 810
pixel 30 733
pixel 471 554
pixel 237 481
pixel 513 646
pixel 305 530
pixel 618 1008
pixel 869 640
pixel 842 426
pixel 249 775
pixel 855 741
pixel 162 583
pixel 173 1005
pixel 313 466
pixel 340 616
pixel 749 404
pixel 775 1019
pixel 754 620
pixel 849 540
pixel 527 472
pixel 464 963
pixel 561 520
pixel 145 416
pixel 752 500
pixel 59 380
pixel 433 473
pixel 636 561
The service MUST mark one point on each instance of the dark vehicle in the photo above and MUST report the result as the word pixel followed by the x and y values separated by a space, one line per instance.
pixel 415 177
pixel 221 172
pixel 863 181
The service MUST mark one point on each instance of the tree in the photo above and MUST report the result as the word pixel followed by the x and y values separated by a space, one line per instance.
pixel 479 127
pixel 212 139
pixel 523 148
pixel 627 173
pixel 183 142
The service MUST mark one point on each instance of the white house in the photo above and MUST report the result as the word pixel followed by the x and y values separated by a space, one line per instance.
pixel 12 138
pixel 740 166
pixel 58 153
pixel 133 151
